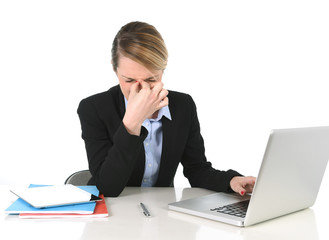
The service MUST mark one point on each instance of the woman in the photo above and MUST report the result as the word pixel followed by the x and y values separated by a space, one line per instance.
pixel 137 133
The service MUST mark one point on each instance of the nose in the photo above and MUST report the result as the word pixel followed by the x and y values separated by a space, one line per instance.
pixel 151 84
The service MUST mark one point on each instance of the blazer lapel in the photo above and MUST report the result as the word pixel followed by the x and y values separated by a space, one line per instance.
pixel 167 152
pixel 121 102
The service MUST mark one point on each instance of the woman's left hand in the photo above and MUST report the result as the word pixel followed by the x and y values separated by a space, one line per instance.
pixel 243 185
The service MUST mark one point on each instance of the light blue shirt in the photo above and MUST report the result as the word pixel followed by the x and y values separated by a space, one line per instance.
pixel 153 146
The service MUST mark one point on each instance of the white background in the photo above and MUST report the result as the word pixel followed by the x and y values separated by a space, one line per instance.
pixel 250 66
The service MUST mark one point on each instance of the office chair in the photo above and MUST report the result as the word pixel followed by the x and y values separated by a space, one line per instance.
pixel 79 178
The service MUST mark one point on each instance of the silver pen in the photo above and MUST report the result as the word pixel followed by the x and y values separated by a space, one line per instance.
pixel 145 210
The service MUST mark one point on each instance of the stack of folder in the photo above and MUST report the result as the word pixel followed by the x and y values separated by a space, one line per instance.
pixel 83 210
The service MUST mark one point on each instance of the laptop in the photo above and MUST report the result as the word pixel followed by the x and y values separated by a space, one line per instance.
pixel 288 181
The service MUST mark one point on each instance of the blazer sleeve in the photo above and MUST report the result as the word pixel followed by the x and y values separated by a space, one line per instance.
pixel 197 169
pixel 111 158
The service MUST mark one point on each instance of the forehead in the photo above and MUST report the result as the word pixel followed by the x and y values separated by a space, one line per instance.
pixel 132 69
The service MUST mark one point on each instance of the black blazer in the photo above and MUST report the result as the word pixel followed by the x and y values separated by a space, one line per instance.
pixel 117 159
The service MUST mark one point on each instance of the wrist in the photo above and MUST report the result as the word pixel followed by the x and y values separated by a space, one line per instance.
pixel 132 127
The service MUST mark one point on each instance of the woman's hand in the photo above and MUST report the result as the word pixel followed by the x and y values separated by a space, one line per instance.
pixel 143 102
pixel 242 185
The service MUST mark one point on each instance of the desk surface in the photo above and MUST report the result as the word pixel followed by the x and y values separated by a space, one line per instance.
pixel 126 221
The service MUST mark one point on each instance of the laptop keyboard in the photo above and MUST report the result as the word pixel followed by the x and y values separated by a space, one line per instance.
pixel 238 209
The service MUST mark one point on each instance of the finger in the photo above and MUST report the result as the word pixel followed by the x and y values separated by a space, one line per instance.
pixel 158 86
pixel 163 103
pixel 145 85
pixel 249 181
pixel 249 188
pixel 135 87
pixel 242 191
pixel 241 185
pixel 163 94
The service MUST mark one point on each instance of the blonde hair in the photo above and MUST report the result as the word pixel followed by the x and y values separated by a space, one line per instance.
pixel 142 43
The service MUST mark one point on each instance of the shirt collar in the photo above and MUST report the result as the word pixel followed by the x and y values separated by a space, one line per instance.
pixel 163 112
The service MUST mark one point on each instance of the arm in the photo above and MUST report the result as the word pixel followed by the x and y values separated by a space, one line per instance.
pixel 114 142
pixel 112 155
pixel 199 172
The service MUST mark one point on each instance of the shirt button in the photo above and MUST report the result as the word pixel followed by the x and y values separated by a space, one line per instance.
pixel 150 165
pixel 147 124
pixel 146 144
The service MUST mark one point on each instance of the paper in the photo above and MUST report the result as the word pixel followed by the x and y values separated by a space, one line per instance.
pixel 20 206
pixel 100 211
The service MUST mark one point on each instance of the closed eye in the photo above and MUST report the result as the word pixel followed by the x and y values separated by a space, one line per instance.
pixel 149 80
pixel 152 80
pixel 129 80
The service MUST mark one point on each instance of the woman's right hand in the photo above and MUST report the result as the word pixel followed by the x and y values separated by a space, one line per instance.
pixel 144 100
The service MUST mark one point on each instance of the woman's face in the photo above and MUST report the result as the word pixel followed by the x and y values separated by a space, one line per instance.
pixel 129 72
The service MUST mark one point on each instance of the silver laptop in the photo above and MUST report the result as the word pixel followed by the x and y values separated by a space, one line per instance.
pixel 288 181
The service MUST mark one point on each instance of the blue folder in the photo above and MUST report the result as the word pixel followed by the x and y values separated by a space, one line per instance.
pixel 20 206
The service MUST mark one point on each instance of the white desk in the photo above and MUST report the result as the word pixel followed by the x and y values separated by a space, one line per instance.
pixel 127 222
